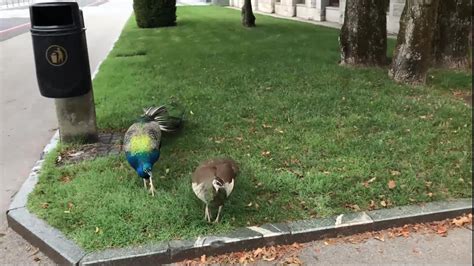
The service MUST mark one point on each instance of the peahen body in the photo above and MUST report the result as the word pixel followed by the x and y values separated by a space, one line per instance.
pixel 213 182
pixel 142 141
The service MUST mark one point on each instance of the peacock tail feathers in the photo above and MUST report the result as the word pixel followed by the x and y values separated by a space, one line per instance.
pixel 161 115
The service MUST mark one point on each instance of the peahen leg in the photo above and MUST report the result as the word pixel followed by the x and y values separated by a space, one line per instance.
pixel 208 214
pixel 218 214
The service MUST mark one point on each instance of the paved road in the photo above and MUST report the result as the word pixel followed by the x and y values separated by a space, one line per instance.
pixel 15 21
pixel 427 249
pixel 28 120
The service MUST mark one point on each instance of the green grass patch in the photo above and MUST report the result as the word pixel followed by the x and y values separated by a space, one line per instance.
pixel 308 133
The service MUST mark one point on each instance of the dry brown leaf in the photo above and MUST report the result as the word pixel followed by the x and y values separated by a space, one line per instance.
pixel 461 221
pixel 65 179
pixel 265 258
pixel 392 184
pixel 430 194
pixel 380 238
pixel 442 230
pixel 257 252
pixel 203 258
pixel 265 153
pixel 383 203
pixel 44 205
pixel 354 207
pixel 394 172
pixel 266 126
pixel 279 131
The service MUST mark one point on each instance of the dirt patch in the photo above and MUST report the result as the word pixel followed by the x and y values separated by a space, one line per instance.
pixel 108 144
pixel 463 95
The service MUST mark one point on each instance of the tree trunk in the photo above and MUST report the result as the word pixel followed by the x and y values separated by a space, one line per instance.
pixel 451 45
pixel 413 54
pixel 248 19
pixel 363 38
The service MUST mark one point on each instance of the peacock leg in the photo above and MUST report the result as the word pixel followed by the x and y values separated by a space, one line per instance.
pixel 152 188
pixel 218 214
pixel 144 183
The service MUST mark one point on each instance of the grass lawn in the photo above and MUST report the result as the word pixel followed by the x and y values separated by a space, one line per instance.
pixel 313 138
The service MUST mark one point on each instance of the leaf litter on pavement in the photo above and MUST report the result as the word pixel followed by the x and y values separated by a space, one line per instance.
pixel 289 254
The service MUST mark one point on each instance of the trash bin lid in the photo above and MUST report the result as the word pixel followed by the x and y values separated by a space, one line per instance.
pixel 56 17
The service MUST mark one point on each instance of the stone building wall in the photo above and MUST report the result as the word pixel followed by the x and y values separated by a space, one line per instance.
pixel 319 10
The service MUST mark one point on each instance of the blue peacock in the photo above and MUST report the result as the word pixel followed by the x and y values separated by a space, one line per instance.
pixel 142 141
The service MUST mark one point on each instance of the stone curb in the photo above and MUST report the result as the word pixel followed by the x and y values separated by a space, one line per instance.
pixel 64 251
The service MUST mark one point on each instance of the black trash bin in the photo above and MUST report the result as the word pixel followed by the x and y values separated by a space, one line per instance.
pixel 60 49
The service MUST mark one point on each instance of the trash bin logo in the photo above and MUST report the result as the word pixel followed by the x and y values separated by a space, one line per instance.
pixel 56 55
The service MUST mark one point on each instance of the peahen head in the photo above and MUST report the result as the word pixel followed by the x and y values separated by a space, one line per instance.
pixel 144 170
pixel 217 183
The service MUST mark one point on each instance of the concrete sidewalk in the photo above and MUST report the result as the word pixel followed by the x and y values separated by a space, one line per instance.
pixel 28 120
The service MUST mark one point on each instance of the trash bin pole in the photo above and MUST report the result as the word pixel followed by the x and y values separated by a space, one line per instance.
pixel 76 118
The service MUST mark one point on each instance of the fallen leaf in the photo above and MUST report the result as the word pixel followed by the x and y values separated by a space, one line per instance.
pixel 191 112
pixel 35 252
pixel 250 204
pixel 379 238
pixel 36 259
pixel 257 252
pixel 372 179
pixel 430 194
pixel 44 205
pixel 75 154
pixel 70 205
pixel 167 170
pixel 383 203
pixel 461 221
pixel 97 229
pixel 203 258
pixel 392 184
pixel 442 230
pixel 354 207
pixel 279 131
pixel 65 179
pixel 265 153
pixel 266 126
pixel 394 173
pixel 372 204
pixel 265 258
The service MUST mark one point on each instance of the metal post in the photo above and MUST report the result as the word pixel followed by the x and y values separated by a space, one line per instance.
pixel 77 119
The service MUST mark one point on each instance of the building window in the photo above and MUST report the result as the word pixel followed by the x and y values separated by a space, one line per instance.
pixel 334 3
pixel 300 2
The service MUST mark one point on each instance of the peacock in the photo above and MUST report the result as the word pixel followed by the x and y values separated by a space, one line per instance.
pixel 142 141
pixel 213 182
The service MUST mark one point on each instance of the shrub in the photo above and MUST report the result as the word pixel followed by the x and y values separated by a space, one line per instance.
pixel 155 13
